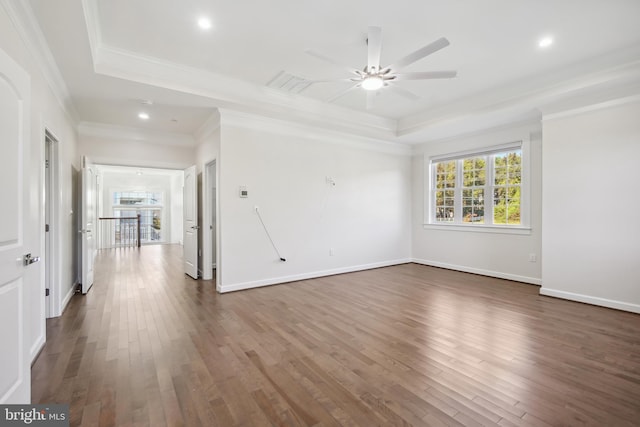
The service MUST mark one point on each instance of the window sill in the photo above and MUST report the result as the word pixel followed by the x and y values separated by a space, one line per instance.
pixel 476 228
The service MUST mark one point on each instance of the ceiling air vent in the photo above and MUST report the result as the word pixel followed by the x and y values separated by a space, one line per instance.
pixel 288 82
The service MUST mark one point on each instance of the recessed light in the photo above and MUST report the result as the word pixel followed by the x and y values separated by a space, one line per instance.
pixel 143 116
pixel 545 42
pixel 204 23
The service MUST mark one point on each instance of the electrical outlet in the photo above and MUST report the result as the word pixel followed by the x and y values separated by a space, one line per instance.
pixel 533 258
pixel 256 208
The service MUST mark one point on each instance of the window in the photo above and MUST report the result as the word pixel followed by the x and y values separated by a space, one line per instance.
pixel 146 204
pixel 136 198
pixel 482 188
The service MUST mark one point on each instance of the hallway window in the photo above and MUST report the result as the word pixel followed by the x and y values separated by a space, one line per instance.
pixel 136 198
pixel 146 204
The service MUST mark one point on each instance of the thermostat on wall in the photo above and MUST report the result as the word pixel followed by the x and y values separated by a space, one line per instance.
pixel 243 191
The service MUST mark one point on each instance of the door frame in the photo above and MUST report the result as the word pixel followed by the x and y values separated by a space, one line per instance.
pixel 51 248
pixel 210 202
pixel 88 226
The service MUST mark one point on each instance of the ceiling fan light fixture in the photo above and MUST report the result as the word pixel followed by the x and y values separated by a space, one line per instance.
pixel 372 83
pixel 373 76
pixel 545 42
pixel 204 23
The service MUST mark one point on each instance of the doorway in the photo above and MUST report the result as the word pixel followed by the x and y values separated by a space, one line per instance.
pixel 52 229
pixel 211 227
pixel 127 191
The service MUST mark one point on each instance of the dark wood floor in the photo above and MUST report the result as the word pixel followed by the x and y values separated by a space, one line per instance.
pixel 404 345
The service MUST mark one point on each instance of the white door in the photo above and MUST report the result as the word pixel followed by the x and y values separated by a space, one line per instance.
pixel 15 366
pixel 190 228
pixel 88 223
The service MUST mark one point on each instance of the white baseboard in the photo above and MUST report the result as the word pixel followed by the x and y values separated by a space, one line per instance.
pixel 67 298
pixel 37 347
pixel 480 271
pixel 312 275
pixel 603 302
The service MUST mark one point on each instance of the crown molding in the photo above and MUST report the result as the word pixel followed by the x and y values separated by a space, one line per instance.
pixel 582 83
pixel 102 169
pixel 510 101
pixel 239 119
pixel 236 94
pixel 90 9
pixel 593 107
pixel 125 133
pixel 26 25
pixel 515 130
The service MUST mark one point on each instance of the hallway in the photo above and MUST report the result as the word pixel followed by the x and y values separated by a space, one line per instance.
pixel 404 345
pixel 113 353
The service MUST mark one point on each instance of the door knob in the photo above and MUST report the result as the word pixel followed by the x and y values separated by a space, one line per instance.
pixel 28 259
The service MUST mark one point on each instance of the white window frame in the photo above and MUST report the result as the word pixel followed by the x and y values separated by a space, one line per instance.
pixel 145 207
pixel 525 191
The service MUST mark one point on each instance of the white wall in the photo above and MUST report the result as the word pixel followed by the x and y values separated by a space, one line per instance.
pixel 129 152
pixel 591 237
pixel 46 112
pixel 177 211
pixel 365 218
pixel 492 254
pixel 208 148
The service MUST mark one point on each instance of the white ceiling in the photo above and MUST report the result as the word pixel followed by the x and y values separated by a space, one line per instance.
pixel 107 49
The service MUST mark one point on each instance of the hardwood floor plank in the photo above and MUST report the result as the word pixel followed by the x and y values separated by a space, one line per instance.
pixel 403 345
pixel 292 392
pixel 90 415
pixel 342 405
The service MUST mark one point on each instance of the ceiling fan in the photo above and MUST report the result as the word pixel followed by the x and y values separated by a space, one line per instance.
pixel 373 77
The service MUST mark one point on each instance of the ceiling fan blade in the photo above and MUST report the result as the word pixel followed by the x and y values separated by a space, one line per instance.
pixel 403 92
pixel 343 93
pixel 427 75
pixel 324 58
pixel 441 43
pixel 374 40
pixel 371 98
pixel 331 80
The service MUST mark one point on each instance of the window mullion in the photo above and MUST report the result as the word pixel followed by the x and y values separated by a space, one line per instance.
pixel 489 183
pixel 432 202
pixel 458 191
